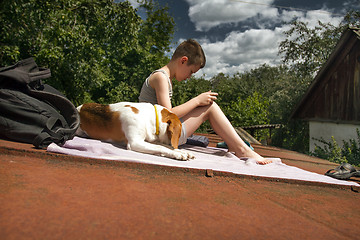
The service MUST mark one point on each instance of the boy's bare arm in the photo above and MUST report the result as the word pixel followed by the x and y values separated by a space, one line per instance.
pixel 159 82
pixel 203 99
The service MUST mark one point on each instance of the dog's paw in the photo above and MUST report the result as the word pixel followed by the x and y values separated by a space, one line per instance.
pixel 190 155
pixel 183 155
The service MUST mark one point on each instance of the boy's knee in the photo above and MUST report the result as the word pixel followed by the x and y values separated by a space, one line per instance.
pixel 214 105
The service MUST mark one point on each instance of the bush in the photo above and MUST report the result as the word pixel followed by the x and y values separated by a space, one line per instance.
pixel 349 152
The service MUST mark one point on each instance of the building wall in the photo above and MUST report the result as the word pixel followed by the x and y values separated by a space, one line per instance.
pixel 326 129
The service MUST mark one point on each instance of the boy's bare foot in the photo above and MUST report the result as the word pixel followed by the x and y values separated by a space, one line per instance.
pixel 259 159
pixel 251 154
pixel 263 161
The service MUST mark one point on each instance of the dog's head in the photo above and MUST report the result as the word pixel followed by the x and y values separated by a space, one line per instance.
pixel 174 126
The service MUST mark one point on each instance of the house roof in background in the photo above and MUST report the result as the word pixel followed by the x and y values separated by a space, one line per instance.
pixel 347 40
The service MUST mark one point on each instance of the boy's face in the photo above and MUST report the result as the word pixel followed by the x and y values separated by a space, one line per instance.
pixel 185 70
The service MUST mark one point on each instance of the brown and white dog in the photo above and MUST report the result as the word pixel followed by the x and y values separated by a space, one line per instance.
pixel 143 127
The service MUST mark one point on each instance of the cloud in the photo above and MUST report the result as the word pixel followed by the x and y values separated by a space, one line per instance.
pixel 210 13
pixel 134 3
pixel 241 51
pixel 314 16
pixel 213 13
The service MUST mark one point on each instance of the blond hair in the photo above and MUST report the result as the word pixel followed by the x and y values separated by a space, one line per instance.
pixel 193 51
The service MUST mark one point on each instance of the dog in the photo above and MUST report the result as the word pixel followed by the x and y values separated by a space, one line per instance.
pixel 143 127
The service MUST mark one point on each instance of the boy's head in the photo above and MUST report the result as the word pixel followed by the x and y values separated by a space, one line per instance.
pixel 193 51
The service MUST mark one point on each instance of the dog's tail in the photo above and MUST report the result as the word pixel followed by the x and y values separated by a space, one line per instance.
pixel 79 132
pixel 79 108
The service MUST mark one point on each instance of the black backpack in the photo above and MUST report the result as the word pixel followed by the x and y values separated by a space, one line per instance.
pixel 33 112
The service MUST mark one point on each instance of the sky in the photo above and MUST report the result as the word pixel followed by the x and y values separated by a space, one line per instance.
pixel 238 36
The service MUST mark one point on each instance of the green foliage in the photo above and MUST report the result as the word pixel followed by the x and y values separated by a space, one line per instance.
pixel 349 152
pixel 185 90
pixel 253 110
pixel 97 50
pixel 227 87
pixel 308 48
pixel 280 88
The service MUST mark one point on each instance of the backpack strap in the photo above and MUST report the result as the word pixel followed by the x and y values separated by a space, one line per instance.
pixel 23 72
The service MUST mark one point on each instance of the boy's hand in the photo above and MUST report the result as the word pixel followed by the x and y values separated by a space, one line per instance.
pixel 207 98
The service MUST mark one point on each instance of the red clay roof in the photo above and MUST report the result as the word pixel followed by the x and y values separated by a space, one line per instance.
pixel 53 196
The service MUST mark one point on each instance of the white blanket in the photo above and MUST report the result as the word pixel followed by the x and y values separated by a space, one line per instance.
pixel 206 158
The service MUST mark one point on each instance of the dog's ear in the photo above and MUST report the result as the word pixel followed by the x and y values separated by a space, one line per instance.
pixel 174 133
pixel 174 127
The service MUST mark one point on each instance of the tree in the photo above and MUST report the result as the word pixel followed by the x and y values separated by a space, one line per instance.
pixel 261 96
pixel 185 90
pixel 307 49
pixel 228 88
pixel 253 110
pixel 97 50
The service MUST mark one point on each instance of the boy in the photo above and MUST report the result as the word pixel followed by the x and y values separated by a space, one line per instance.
pixel 187 59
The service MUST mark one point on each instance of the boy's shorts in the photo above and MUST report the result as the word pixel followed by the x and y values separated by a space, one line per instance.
pixel 183 137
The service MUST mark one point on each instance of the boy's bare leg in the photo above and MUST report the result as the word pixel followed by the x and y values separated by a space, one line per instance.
pixel 222 126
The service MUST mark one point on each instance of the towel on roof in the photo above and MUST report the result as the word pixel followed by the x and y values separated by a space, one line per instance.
pixel 206 158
